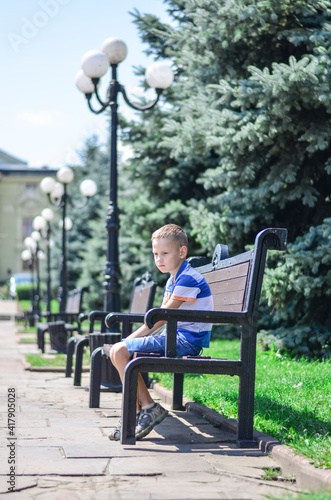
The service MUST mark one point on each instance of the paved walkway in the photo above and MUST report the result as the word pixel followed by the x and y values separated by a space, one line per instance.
pixel 9 309
pixel 54 447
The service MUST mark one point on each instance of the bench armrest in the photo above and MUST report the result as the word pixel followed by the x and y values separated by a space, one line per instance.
pixel 172 316
pixel 126 319
pixel 82 317
pixel 226 317
pixel 121 317
pixel 97 315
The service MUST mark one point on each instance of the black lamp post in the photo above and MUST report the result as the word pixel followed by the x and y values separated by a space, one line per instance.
pixel 35 235
pixel 94 65
pixel 32 254
pixel 58 196
pixel 28 256
pixel 48 215
pixel 42 223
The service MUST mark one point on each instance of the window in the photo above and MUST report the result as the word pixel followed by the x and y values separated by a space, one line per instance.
pixel 27 227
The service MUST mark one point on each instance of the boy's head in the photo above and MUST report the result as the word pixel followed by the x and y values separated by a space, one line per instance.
pixel 173 232
pixel 169 248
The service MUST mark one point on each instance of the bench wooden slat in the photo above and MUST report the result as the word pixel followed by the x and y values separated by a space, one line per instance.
pixel 228 287
pixel 233 285
pixel 141 299
pixel 235 271
pixel 228 307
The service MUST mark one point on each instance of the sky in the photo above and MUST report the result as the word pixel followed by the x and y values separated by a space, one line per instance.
pixel 44 117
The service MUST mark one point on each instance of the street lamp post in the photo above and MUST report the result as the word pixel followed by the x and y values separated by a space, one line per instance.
pixel 35 235
pixel 48 215
pixel 58 195
pixel 42 223
pixel 27 256
pixel 94 65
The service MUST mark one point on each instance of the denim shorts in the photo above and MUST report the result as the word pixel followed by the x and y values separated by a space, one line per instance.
pixel 156 343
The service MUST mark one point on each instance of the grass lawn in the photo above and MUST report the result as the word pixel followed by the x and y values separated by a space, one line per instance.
pixel 318 495
pixel 56 360
pixel 292 398
pixel 25 305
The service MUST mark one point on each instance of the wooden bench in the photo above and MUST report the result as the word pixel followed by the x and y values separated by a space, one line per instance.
pixel 69 316
pixel 236 286
pixel 142 297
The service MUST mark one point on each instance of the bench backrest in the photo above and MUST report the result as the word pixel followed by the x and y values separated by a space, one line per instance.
pixel 142 297
pixel 233 279
pixel 228 284
pixel 143 293
pixel 75 301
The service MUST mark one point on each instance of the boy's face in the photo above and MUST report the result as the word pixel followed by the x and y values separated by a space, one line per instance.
pixel 168 256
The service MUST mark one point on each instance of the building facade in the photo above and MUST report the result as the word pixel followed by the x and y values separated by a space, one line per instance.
pixel 20 201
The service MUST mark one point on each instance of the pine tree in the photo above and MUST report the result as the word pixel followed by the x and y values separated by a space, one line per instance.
pixel 244 143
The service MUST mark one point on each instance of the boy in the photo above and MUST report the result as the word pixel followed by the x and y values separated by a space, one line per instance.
pixel 185 289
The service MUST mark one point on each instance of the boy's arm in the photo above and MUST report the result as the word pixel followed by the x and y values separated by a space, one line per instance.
pixel 143 330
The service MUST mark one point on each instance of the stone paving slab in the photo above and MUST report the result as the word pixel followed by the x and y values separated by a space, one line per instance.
pixel 63 452
pixel 61 466
pixel 161 487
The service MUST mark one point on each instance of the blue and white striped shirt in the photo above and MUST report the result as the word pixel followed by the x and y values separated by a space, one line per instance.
pixel 192 288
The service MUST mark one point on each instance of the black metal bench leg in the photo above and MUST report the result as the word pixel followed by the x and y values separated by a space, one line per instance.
pixel 71 344
pixel 95 378
pixel 41 339
pixel 80 344
pixel 38 338
pixel 245 417
pixel 245 437
pixel 129 402
pixel 177 395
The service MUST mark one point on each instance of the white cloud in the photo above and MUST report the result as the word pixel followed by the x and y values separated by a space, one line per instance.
pixel 44 117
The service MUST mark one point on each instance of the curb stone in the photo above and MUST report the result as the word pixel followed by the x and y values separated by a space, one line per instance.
pixel 307 476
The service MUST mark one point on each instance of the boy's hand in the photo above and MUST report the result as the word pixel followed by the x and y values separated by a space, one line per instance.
pixel 143 331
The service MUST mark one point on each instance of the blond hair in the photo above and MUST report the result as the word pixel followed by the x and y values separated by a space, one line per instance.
pixel 172 231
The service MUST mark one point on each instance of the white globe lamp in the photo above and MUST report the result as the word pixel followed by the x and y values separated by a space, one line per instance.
pixel 58 191
pixel 26 255
pixel 39 223
pixel 65 175
pixel 115 50
pixel 95 63
pixel 159 75
pixel 47 184
pixel 30 243
pixel 84 83
pixel 47 214
pixel 67 224
pixel 36 236
pixel 88 188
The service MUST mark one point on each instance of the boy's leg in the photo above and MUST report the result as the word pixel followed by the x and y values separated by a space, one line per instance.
pixel 150 413
pixel 120 357
pixel 144 398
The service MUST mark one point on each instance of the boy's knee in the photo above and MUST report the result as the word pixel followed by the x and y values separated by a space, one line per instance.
pixel 118 350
